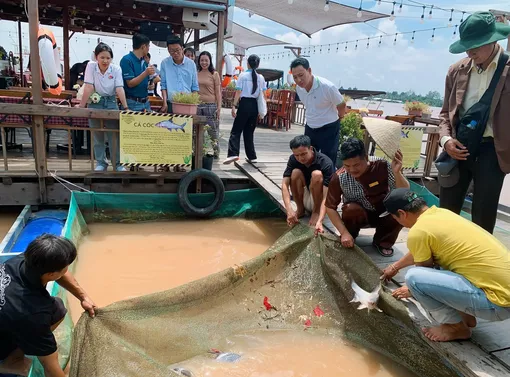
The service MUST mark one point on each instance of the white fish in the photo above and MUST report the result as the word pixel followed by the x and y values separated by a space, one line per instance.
pixel 367 300
pixel 183 372
pixel 170 126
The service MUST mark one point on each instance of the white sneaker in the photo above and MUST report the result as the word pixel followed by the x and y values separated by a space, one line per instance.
pixel 121 168
pixel 100 168
pixel 251 161
pixel 230 159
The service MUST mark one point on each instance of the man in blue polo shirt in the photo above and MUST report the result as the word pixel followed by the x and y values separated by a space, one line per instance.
pixel 178 73
pixel 136 73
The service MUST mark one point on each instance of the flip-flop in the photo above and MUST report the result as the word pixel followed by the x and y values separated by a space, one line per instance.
pixel 380 250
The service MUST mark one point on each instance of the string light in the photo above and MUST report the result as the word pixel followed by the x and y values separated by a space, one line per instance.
pixel 462 19
pixel 430 12
pixel 345 47
pixel 109 19
pixel 433 35
pixel 422 18
pixel 107 4
pixel 455 32
pixel 134 5
pixel 451 18
pixel 160 10
pixel 379 2
pixel 395 40
pixel 400 6
pixel 149 23
pixel 380 41
pixel 88 17
pixel 165 18
pixel 97 10
pixel 368 43
pixel 168 26
pixel 121 14
pixel 326 7
pixel 356 47
pixel 412 39
pixel 360 13
pixel 392 17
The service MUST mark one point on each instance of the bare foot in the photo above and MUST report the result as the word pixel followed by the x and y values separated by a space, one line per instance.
pixel 300 212
pixel 313 219
pixel 448 332
pixel 468 319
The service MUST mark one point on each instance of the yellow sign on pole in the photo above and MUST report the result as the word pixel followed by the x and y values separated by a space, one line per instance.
pixel 410 146
pixel 149 139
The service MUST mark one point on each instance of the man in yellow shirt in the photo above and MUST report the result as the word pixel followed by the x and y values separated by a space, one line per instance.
pixel 474 275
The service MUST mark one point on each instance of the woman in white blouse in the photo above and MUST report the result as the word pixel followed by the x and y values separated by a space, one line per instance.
pixel 249 85
pixel 105 79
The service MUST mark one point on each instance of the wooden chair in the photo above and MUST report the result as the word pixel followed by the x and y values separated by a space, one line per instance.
pixel 282 111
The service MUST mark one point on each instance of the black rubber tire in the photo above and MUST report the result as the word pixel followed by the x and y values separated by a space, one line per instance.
pixel 184 201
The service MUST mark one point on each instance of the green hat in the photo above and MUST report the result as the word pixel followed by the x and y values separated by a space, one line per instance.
pixel 478 30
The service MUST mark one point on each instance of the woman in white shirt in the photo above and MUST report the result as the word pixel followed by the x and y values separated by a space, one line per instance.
pixel 249 85
pixel 105 79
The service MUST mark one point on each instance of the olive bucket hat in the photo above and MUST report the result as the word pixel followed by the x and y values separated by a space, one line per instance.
pixel 479 29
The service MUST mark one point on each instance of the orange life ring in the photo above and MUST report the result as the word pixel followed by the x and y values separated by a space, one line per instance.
pixel 50 61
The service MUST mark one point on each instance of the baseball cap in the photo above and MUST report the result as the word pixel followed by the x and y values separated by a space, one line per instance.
pixel 398 199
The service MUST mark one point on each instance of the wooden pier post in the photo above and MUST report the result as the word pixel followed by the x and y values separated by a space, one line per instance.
pixel 37 120
pixel 219 42
pixel 67 68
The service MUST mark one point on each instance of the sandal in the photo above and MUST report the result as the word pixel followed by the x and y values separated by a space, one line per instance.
pixel 380 250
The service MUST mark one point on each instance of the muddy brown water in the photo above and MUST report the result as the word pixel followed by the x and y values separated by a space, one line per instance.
pixel 293 354
pixel 137 259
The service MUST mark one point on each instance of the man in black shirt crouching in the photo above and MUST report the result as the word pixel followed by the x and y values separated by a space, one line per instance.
pixel 307 175
pixel 28 314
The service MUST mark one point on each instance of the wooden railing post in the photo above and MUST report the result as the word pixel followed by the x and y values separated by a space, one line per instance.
pixel 38 120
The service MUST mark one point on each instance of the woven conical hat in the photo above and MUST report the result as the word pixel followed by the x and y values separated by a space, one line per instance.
pixel 386 134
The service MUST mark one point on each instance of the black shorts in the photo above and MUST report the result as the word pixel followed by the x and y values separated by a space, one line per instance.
pixel 8 342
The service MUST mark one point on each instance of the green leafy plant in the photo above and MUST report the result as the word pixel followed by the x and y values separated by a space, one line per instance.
pixel 186 98
pixel 416 106
pixel 351 127
pixel 231 85
pixel 209 143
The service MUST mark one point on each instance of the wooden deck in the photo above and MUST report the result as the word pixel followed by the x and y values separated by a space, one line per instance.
pixel 272 148
pixel 487 354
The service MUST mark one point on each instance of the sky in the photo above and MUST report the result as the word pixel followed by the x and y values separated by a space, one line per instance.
pixel 420 66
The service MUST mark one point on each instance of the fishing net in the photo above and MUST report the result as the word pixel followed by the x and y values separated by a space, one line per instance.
pixel 149 334
pixel 89 207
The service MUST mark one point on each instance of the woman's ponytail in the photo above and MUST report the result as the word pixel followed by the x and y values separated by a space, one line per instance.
pixel 253 63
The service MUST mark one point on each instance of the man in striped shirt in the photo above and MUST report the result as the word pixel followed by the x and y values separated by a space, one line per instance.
pixel 362 184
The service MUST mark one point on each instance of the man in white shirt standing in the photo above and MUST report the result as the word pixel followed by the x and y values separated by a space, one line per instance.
pixel 325 107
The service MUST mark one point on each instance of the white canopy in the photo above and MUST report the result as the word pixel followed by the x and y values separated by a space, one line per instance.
pixel 307 16
pixel 246 38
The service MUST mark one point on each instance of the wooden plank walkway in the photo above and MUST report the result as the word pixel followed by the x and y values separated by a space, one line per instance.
pixel 486 354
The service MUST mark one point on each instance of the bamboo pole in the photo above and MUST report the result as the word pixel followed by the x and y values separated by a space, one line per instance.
pixel 21 75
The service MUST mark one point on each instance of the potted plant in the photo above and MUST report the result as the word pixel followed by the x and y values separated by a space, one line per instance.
pixel 349 127
pixel 416 108
pixel 208 149
pixel 427 114
pixel 185 103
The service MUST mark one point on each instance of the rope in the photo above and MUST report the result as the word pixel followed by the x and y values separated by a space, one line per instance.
pixel 62 180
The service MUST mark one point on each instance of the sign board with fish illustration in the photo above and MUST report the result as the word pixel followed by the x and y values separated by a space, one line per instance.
pixel 154 139
pixel 410 145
